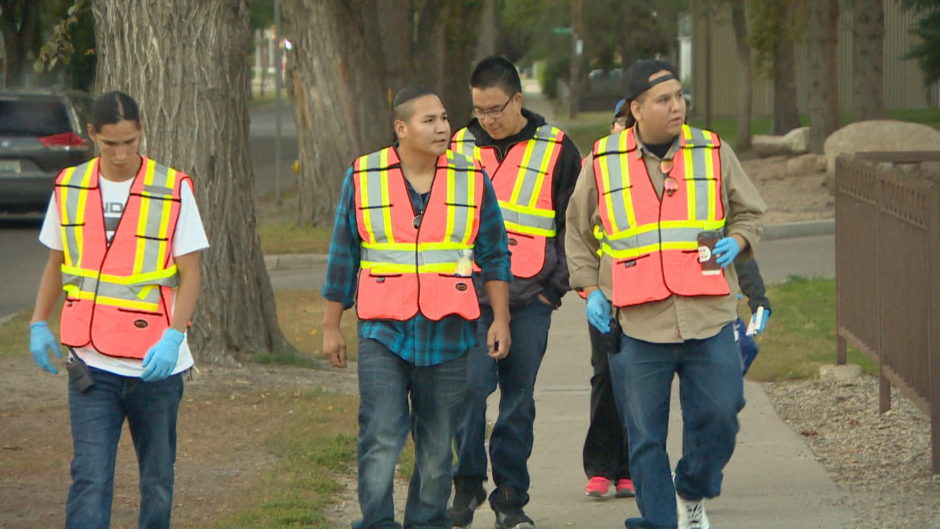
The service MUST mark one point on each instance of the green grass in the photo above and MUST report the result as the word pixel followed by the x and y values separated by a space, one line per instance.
pixel 279 231
pixel 300 313
pixel 801 334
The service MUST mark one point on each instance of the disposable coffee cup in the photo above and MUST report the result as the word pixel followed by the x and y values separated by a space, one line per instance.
pixel 706 252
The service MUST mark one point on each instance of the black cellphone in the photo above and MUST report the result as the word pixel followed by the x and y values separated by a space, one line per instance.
pixel 79 373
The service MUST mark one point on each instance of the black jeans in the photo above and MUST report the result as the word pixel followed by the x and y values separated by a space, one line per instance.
pixel 605 447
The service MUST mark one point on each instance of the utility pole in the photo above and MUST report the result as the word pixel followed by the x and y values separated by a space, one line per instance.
pixel 577 45
pixel 277 101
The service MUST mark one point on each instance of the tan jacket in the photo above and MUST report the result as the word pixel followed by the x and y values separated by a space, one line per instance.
pixel 676 318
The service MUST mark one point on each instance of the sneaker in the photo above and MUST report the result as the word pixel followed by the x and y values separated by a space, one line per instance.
pixel 691 514
pixel 625 488
pixel 467 497
pixel 513 519
pixel 597 487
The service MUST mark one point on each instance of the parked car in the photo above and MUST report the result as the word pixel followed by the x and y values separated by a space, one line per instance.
pixel 40 133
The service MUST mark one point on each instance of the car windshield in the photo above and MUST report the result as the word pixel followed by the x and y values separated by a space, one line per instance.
pixel 23 117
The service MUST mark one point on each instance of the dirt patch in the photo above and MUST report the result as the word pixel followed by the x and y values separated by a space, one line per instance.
pixel 224 417
pixel 795 197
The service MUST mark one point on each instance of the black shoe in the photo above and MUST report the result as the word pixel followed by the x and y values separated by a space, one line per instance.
pixel 468 496
pixel 513 519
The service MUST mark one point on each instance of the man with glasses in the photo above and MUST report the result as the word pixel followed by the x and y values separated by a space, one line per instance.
pixel 533 167
pixel 644 200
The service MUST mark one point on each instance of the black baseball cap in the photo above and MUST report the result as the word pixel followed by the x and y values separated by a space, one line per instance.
pixel 638 77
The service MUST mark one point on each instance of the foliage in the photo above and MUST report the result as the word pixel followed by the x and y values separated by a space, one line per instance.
pixel 927 52
pixel 262 14
pixel 59 47
pixel 774 21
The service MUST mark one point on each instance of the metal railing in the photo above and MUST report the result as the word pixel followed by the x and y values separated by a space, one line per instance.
pixel 888 273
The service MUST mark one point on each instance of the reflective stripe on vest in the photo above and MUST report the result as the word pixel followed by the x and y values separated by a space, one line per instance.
pixel 427 268
pixel 133 274
pixel 523 186
pixel 638 224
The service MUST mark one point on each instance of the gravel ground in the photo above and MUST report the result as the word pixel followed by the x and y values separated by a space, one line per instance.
pixel 881 460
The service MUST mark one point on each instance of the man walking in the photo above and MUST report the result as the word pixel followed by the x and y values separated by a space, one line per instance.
pixel 412 220
pixel 646 198
pixel 533 167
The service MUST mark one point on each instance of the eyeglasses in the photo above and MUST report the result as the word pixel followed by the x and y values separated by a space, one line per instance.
pixel 494 114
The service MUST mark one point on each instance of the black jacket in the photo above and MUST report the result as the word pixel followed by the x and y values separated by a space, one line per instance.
pixel 552 281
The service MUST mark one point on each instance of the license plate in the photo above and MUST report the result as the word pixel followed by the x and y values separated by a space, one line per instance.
pixel 9 166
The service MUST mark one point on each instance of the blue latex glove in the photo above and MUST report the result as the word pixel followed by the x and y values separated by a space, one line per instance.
pixel 598 311
pixel 726 249
pixel 758 321
pixel 161 358
pixel 41 340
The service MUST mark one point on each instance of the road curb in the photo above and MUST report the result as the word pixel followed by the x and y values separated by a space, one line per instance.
pixel 774 232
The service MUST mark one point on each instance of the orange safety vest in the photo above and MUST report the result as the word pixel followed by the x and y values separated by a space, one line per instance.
pixel 523 186
pixel 651 240
pixel 410 264
pixel 117 296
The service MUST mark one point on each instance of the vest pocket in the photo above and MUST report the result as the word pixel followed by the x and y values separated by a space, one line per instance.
pixel 684 275
pixel 637 280
pixel 386 296
pixel 527 254
pixel 126 332
pixel 446 294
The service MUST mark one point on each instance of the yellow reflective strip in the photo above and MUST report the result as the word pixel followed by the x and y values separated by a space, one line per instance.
pixel 605 180
pixel 64 214
pixel 687 133
pixel 165 218
pixel 407 246
pixel 446 245
pixel 387 268
pixel 519 228
pixel 627 178
pixel 438 268
pixel 472 213
pixel 523 167
pixel 386 212
pixel 451 210
pixel 689 182
pixel 139 278
pixel 144 292
pixel 82 204
pixel 127 304
pixel 545 213
pixel 142 219
pixel 712 181
pixel 540 179
pixel 649 248
pixel 71 289
pixel 364 198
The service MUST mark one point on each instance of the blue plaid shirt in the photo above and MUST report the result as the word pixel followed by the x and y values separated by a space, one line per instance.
pixel 419 341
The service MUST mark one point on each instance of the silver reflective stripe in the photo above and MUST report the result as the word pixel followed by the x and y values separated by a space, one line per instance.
pixel 374 175
pixel 526 219
pixel 407 257
pixel 378 255
pixel 70 216
pixel 700 183
pixel 129 292
pixel 466 144
pixel 544 145
pixel 461 182
pixel 156 206
pixel 618 174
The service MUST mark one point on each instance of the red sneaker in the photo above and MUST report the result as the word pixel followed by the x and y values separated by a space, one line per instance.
pixel 625 488
pixel 597 487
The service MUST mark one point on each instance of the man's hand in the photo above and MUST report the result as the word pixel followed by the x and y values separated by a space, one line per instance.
pixel 41 341
pixel 727 249
pixel 498 340
pixel 334 346
pixel 598 311
pixel 160 359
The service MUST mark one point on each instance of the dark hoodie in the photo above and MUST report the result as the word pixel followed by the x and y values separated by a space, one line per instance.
pixel 552 281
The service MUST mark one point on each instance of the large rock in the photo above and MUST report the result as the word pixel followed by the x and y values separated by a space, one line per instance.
pixel 806 163
pixel 794 142
pixel 879 135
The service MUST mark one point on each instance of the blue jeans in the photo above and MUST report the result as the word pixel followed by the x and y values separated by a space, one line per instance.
pixel 97 417
pixel 511 438
pixel 386 384
pixel 711 394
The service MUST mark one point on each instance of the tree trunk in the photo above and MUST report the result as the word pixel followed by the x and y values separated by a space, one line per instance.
pixel 19 35
pixel 786 110
pixel 339 95
pixel 195 114
pixel 745 97
pixel 868 60
pixel 397 43
pixel 459 48
pixel 489 31
pixel 822 38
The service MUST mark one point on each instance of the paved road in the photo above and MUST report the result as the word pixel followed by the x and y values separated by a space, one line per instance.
pixel 22 257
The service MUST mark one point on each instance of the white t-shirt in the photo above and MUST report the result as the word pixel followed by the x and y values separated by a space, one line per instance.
pixel 190 237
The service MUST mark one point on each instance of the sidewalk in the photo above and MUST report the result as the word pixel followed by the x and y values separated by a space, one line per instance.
pixel 772 482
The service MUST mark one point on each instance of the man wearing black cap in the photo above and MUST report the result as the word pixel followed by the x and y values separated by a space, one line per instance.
pixel 642 204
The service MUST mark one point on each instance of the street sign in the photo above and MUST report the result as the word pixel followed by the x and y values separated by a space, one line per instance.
pixel 562 31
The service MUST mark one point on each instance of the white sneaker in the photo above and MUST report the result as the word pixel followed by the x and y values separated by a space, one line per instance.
pixel 691 514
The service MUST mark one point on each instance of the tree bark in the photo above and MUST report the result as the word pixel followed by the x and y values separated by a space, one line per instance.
pixel 786 110
pixel 339 95
pixel 195 113
pixel 745 97
pixel 397 42
pixel 868 60
pixel 822 38
pixel 20 20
